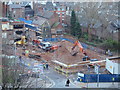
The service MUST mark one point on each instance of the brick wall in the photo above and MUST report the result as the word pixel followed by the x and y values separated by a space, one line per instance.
pixel 53 19
pixel 1 9
pixel 17 13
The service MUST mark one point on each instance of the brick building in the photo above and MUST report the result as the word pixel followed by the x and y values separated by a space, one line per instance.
pixel 43 27
pixel 1 5
pixel 16 11
pixel 52 17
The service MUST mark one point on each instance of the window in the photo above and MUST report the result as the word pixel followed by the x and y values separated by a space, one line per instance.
pixel 62 15
pixel 62 21
pixel 58 9
pixel 58 12
pixel 59 19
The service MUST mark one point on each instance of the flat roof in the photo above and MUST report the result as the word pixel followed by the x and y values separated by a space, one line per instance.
pixel 115 59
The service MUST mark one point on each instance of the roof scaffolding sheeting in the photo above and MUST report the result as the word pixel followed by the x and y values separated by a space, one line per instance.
pixel 25 21
pixel 31 27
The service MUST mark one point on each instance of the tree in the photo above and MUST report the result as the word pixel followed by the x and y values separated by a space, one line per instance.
pixel 73 21
pixel 93 15
pixel 77 30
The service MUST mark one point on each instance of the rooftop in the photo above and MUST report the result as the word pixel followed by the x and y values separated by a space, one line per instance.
pixel 39 20
pixel 15 6
pixel 115 59
pixel 45 14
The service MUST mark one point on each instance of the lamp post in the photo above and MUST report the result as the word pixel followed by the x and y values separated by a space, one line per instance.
pixel 98 75
pixel 15 64
pixel 113 74
pixel 88 74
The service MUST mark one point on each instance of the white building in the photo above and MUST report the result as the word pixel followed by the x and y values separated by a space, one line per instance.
pixel 113 65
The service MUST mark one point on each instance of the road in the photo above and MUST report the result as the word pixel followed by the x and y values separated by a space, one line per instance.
pixel 57 80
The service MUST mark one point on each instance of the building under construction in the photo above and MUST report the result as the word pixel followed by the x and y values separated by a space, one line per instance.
pixel 63 61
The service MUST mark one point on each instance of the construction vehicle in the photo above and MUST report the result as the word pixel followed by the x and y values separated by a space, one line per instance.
pixel 46 46
pixel 22 41
pixel 74 53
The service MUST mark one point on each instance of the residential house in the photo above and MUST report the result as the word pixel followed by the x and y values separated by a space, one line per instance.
pixel 16 11
pixel 29 11
pixel 52 17
pixel 43 27
pixel 49 6
pixel 57 30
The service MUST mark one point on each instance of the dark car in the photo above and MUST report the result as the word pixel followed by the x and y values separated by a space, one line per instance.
pixel 34 56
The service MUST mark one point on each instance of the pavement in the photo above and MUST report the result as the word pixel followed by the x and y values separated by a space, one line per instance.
pixel 97 85
pixel 33 82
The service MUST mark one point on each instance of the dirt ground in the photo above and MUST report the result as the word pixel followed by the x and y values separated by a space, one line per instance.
pixel 63 53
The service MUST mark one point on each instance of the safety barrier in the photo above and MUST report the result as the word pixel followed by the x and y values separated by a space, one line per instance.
pixel 102 78
pixel 85 46
pixel 60 39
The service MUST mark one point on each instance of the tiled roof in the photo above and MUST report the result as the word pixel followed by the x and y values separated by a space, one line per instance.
pixel 18 5
pixel 45 14
pixel 39 21
pixel 49 6
pixel 15 6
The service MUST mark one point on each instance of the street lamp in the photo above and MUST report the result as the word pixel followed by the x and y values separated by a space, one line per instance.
pixel 98 75
pixel 14 64
pixel 88 74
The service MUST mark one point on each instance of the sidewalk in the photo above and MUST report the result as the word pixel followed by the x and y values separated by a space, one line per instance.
pixel 41 82
pixel 97 85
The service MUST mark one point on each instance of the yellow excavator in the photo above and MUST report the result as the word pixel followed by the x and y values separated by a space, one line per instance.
pixel 22 41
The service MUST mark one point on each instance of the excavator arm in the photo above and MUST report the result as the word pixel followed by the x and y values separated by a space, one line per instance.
pixel 77 43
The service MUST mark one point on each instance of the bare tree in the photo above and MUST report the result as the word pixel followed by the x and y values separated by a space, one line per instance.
pixel 97 14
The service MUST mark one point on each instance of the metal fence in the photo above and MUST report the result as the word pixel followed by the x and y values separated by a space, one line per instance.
pixel 102 78
pixel 85 46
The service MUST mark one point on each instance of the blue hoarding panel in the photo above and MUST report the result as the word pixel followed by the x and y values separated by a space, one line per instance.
pixel 102 78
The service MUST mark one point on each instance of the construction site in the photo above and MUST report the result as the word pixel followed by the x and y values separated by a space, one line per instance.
pixel 66 56
pixel 63 59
